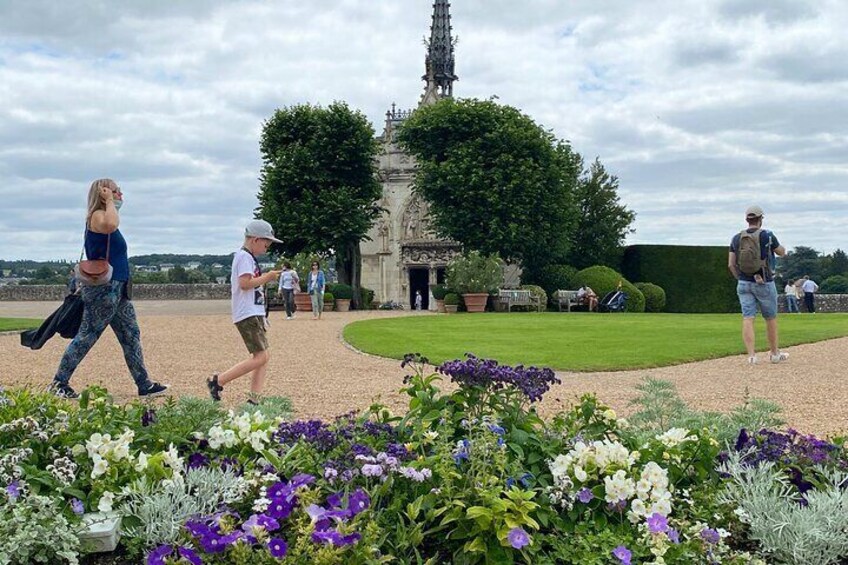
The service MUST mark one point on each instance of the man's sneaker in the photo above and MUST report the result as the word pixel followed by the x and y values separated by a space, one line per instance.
pixel 779 356
pixel 154 389
pixel 289 317
pixel 214 388
pixel 63 390
pixel 752 360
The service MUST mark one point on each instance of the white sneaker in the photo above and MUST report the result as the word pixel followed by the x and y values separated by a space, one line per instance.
pixel 288 317
pixel 752 360
pixel 780 356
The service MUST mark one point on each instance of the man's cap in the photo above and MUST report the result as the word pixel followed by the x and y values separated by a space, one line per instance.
pixel 754 212
pixel 261 229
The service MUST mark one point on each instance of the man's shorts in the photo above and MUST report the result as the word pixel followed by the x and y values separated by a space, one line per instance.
pixel 752 294
pixel 253 333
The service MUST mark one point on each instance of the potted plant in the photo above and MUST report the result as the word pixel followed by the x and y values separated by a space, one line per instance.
pixel 439 292
pixel 475 276
pixel 302 301
pixel 329 301
pixel 343 294
pixel 451 303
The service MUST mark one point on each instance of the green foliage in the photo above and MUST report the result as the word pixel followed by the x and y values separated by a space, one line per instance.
pixel 695 278
pixel 496 181
pixel 318 183
pixel 602 221
pixel 33 529
pixel 439 291
pixel 654 296
pixel 272 407
pixel 604 280
pixel 367 297
pixel 837 284
pixel 538 292
pixel 175 421
pixel 451 299
pixel 799 262
pixel 14 324
pixel 329 296
pixel 836 264
pixel 342 291
pixel 553 278
pixel 474 272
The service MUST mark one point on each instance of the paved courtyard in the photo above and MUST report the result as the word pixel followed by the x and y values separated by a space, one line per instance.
pixel 186 341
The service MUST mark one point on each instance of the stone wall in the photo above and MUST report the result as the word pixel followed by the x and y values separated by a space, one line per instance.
pixel 52 293
pixel 824 303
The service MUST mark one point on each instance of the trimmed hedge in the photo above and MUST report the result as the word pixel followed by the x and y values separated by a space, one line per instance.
pixel 654 296
pixel 604 280
pixel 439 291
pixel 695 278
pixel 451 299
pixel 342 291
pixel 555 277
pixel 367 297
pixel 328 297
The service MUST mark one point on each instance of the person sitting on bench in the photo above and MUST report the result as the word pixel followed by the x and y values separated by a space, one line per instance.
pixel 587 296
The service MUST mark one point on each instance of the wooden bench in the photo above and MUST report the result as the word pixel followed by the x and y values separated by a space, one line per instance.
pixel 566 298
pixel 515 297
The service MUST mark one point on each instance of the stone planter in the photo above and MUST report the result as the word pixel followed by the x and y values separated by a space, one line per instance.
pixel 328 306
pixel 302 302
pixel 476 301
pixel 450 308
pixel 342 304
pixel 101 533
pixel 440 306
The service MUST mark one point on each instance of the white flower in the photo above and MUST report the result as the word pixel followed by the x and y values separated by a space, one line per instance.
pixel 106 501
pixel 675 436
pixel 580 474
pixel 141 462
pixel 431 435
pixel 172 459
pixel 77 450
pixel 609 414
pixel 100 466
pixel 257 440
pixel 638 508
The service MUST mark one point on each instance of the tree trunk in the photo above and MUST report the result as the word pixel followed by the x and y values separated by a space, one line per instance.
pixel 349 270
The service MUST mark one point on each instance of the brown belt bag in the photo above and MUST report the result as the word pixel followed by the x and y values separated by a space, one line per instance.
pixel 94 272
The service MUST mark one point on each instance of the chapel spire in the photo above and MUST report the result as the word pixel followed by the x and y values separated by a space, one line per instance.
pixel 439 62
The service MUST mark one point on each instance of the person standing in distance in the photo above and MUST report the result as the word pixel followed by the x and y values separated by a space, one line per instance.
pixel 248 304
pixel 810 289
pixel 289 284
pixel 750 261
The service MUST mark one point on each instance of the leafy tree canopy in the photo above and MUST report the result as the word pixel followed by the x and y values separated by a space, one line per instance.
pixel 496 181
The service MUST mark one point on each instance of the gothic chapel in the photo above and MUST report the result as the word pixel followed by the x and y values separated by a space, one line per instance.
pixel 403 255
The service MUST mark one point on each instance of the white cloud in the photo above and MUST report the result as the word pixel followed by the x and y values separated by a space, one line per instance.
pixel 700 107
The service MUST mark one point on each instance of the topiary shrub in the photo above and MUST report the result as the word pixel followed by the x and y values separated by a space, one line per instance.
pixel 654 296
pixel 329 297
pixel 604 280
pixel 554 277
pixel 451 299
pixel 439 291
pixel 367 297
pixel 837 284
pixel 342 291
pixel 538 292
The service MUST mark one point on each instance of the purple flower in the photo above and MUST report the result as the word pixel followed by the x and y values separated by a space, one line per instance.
pixel 198 460
pixel 358 501
pixel 301 480
pixel 371 470
pixel 335 500
pixel 14 490
pixel 518 538
pixel 189 555
pixel 148 417
pixel 487 374
pixel 332 537
pixel 496 429
pixel 622 554
pixel 198 529
pixel 314 432
pixel 277 548
pixel 674 536
pixel 158 555
pixel 710 536
pixel 657 523
pixel 280 508
pixel 585 495
pixel 77 507
pixel 260 521
pixel 212 543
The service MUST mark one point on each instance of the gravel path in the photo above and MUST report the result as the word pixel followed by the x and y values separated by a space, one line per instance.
pixel 184 342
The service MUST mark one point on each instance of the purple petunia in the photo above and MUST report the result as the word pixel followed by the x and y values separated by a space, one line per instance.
pixel 189 555
pixel 77 507
pixel 148 417
pixel 674 536
pixel 197 460
pixel 518 538
pixel 332 537
pixel 622 554
pixel 14 490
pixel 259 521
pixel 585 495
pixel 280 508
pixel 657 523
pixel 358 501
pixel 710 536
pixel 158 555
pixel 277 547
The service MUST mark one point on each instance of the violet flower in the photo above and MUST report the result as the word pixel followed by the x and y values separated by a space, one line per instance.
pixel 622 554
pixel 657 523
pixel 77 507
pixel 518 538
pixel 585 495
pixel 710 536
pixel 277 548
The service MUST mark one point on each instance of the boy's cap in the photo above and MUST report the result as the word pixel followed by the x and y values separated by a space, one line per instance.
pixel 754 212
pixel 261 229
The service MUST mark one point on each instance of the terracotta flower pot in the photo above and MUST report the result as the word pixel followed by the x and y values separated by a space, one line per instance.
pixel 440 306
pixel 476 301
pixel 450 308
pixel 303 302
pixel 328 306
pixel 342 305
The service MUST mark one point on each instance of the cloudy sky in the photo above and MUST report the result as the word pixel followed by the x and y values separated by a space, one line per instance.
pixel 701 107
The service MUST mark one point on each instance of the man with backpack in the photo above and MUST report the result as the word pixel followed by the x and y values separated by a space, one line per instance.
pixel 751 261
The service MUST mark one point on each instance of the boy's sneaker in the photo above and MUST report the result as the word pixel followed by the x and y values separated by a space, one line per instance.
pixel 214 388
pixel 289 317
pixel 154 389
pixel 63 390
pixel 752 360
pixel 780 356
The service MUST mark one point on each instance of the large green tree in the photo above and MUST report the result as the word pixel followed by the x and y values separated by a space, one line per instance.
pixel 799 262
pixel 496 181
pixel 318 184
pixel 602 223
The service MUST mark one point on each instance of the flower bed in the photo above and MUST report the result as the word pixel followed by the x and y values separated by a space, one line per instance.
pixel 471 476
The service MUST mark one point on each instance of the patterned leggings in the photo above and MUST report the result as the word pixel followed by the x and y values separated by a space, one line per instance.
pixel 106 305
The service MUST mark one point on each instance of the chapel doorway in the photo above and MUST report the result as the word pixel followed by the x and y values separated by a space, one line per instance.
pixel 419 281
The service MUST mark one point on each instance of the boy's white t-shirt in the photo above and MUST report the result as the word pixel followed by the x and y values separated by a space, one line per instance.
pixel 246 303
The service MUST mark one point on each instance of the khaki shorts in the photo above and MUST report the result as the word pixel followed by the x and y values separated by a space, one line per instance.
pixel 253 333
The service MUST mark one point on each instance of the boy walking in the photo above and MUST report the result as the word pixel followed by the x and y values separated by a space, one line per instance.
pixel 750 260
pixel 248 304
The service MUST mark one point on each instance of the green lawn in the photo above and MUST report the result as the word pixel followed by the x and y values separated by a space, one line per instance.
pixel 12 324
pixel 581 341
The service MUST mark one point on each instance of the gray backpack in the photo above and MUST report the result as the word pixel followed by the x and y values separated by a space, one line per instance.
pixel 749 256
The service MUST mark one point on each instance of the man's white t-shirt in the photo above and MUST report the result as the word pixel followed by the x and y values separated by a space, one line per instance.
pixel 246 303
pixel 809 286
